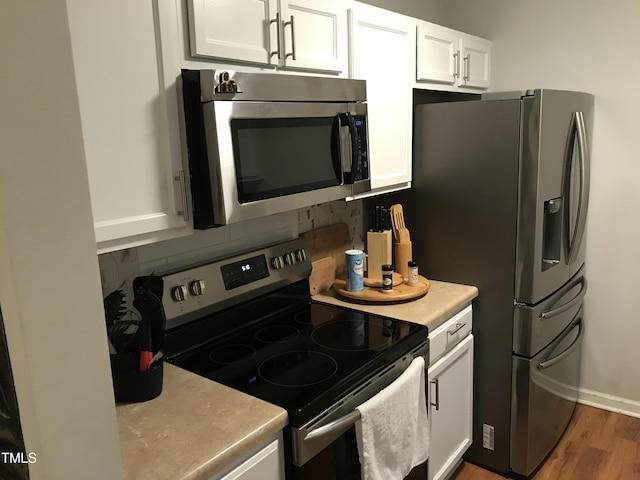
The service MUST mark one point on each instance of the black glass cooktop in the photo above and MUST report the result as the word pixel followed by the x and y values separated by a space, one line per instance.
pixel 302 358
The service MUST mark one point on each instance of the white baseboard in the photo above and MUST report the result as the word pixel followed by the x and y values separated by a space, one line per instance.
pixel 609 402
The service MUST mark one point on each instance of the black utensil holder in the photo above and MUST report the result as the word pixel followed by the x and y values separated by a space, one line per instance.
pixel 131 385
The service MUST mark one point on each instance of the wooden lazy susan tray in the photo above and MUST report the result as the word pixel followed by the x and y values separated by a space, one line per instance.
pixel 400 292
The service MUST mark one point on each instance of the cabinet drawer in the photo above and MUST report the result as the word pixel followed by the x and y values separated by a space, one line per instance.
pixel 449 334
pixel 266 464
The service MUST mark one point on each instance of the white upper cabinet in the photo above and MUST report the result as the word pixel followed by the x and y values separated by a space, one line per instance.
pixel 383 54
pixel 126 124
pixel 437 54
pixel 451 60
pixel 297 34
pixel 475 55
pixel 233 29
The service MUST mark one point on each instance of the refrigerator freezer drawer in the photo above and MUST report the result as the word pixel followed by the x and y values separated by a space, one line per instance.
pixel 545 391
pixel 535 326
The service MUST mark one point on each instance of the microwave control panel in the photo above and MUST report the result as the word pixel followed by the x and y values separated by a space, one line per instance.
pixel 362 167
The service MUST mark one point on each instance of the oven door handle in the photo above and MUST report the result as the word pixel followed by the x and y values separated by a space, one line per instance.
pixel 342 422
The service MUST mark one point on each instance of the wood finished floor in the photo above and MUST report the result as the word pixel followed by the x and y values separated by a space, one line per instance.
pixel 598 445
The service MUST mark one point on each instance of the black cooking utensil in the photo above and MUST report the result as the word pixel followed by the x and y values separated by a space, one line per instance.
pixel 114 306
pixel 148 301
pixel 114 309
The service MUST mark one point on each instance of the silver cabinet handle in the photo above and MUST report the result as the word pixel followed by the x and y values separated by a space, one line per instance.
pixel 293 38
pixel 573 243
pixel 457 329
pixel 183 190
pixel 456 65
pixel 563 308
pixel 278 51
pixel 436 382
pixel 467 67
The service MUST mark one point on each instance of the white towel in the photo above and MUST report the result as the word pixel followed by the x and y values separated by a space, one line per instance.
pixel 393 432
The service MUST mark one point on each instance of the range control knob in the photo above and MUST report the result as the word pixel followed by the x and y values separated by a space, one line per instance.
pixel 289 258
pixel 179 293
pixel 197 288
pixel 277 262
pixel 301 255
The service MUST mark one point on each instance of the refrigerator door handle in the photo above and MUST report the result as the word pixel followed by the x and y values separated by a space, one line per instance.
pixel 565 353
pixel 566 306
pixel 573 241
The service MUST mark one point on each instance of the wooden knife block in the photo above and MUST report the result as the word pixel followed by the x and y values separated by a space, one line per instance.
pixel 379 252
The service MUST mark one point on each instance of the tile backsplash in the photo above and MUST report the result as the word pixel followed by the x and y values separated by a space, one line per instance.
pixel 123 266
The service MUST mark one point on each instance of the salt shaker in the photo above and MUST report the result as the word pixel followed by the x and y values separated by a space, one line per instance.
pixel 412 278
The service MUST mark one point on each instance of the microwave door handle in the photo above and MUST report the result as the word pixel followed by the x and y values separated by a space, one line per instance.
pixel 337 148
pixel 350 165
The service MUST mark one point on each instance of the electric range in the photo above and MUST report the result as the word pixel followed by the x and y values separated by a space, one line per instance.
pixel 249 322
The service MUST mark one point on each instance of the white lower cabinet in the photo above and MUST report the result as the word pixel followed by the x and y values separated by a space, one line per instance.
pixel 450 397
pixel 266 464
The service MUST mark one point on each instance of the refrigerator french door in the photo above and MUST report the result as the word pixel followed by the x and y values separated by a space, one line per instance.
pixel 499 200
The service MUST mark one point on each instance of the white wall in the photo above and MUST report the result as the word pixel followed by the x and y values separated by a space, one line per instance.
pixel 431 10
pixel 49 278
pixel 586 45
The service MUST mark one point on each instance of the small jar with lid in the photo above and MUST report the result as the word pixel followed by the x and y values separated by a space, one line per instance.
pixel 387 278
pixel 412 277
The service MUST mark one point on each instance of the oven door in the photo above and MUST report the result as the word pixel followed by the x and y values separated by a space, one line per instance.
pixel 339 461
pixel 270 157
pixel 325 448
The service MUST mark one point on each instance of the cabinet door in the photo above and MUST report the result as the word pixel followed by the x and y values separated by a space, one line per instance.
pixel 242 30
pixel 475 62
pixel 437 55
pixel 450 409
pixel 267 464
pixel 314 34
pixel 384 56
pixel 131 163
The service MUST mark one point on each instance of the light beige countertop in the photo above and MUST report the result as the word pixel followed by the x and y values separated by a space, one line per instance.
pixel 441 302
pixel 195 428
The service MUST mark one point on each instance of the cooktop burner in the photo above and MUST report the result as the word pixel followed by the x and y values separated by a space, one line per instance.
pixel 298 368
pixel 352 335
pixel 277 333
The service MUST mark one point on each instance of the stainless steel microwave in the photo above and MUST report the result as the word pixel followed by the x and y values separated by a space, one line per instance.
pixel 260 143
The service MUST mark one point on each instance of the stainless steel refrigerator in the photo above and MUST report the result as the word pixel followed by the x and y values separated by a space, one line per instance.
pixel 499 200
